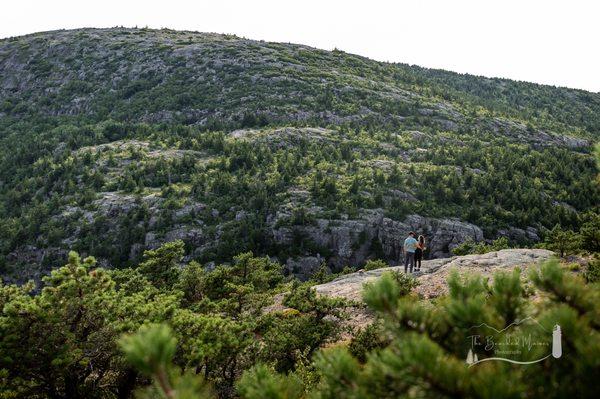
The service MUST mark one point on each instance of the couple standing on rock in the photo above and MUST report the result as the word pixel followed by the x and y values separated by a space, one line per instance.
pixel 413 251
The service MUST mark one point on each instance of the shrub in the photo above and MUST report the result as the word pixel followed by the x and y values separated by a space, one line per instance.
pixel 366 340
pixel 469 247
pixel 375 264
pixel 592 272
pixel 406 282
pixel 426 359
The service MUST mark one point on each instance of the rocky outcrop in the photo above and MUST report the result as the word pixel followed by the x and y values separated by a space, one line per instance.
pixel 304 267
pixel 521 132
pixel 30 262
pixel 372 235
pixel 286 137
pixel 337 243
pixel 113 204
pixel 442 235
pixel 432 279
pixel 514 234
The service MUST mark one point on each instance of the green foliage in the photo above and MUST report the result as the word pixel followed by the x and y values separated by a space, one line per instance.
pixel 304 298
pixel 322 275
pixel 212 324
pixel 66 334
pixel 368 340
pixel 592 271
pixel 405 282
pixel 562 241
pixel 387 289
pixel 425 357
pixel 375 264
pixel 151 350
pixel 469 247
pixel 160 266
pixel 590 233
pixel 103 166
pixel 465 248
pixel 260 383
pixel 566 242
pixel 382 293
pixel 192 280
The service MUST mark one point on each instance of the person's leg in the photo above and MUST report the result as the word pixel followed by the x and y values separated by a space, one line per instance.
pixel 412 261
pixel 405 262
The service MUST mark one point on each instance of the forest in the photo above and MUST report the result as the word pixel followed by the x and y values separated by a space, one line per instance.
pixel 115 141
pixel 169 199
pixel 163 331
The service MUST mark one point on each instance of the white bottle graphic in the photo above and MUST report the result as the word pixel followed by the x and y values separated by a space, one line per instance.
pixel 470 357
pixel 556 342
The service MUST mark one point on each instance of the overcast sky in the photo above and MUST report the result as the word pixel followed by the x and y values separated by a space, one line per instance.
pixel 553 42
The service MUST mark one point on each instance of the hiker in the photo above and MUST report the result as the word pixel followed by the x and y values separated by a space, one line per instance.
pixel 410 245
pixel 419 252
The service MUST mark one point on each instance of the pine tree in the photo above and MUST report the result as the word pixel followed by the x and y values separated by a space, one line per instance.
pixel 151 351
pixel 561 241
pixel 160 265
pixel 426 356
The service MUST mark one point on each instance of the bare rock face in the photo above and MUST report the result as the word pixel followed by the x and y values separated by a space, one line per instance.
pixel 529 235
pixel 38 261
pixel 304 267
pixel 372 235
pixel 442 235
pixel 519 131
pixel 113 204
pixel 435 272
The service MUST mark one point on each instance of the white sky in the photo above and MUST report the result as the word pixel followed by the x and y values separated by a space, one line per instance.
pixel 553 42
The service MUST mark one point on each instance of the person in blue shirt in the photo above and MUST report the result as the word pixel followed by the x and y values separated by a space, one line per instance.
pixel 410 246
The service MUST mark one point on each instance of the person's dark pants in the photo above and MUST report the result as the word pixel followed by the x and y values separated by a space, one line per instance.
pixel 418 259
pixel 409 258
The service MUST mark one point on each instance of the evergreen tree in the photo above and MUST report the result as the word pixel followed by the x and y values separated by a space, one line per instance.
pixel 561 241
pixel 426 355
pixel 160 265
pixel 151 351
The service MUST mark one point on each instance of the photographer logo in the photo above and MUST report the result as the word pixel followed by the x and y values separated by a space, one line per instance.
pixel 522 342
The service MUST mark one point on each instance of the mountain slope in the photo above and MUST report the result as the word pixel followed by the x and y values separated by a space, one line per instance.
pixel 115 140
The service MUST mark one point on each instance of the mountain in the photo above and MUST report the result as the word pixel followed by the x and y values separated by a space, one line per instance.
pixel 113 141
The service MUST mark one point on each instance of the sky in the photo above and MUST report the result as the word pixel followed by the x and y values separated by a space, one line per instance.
pixel 550 42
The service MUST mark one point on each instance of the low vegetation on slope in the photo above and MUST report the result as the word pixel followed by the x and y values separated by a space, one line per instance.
pixel 62 341
pixel 165 331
